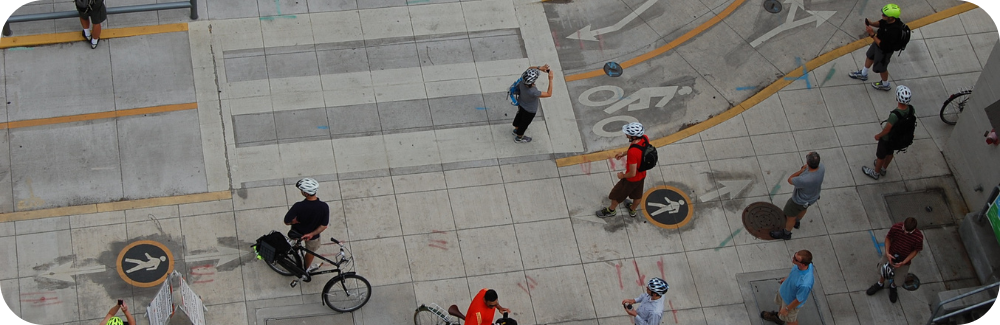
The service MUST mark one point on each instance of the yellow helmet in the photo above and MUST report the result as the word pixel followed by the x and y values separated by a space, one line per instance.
pixel 891 10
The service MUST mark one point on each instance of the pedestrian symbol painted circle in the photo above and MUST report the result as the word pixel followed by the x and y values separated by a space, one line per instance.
pixel 667 207
pixel 144 263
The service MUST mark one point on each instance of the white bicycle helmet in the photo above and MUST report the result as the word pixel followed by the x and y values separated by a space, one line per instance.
pixel 658 286
pixel 903 94
pixel 530 76
pixel 633 129
pixel 887 271
pixel 308 185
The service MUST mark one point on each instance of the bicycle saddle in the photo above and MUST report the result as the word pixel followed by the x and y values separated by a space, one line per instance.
pixel 454 311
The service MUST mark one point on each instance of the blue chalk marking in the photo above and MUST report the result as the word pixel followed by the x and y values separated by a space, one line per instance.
pixel 271 18
pixel 481 108
pixel 323 127
pixel 20 48
pixel 746 88
pixel 277 6
pixel 413 2
pixel 876 243
pixel 805 73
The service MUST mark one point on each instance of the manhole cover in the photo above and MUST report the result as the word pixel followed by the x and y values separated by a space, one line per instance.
pixel 772 6
pixel 759 218
pixel 929 207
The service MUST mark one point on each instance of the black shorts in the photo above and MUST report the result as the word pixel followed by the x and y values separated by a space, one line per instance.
pixel 884 149
pixel 881 58
pixel 96 16
pixel 625 189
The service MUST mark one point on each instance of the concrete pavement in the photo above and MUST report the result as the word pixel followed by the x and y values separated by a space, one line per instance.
pixel 399 112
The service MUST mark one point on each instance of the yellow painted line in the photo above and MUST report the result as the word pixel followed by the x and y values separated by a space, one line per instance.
pixel 115 206
pixel 97 116
pixel 768 91
pixel 67 37
pixel 663 49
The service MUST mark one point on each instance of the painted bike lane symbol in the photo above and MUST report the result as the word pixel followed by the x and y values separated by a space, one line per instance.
pixel 615 99
pixel 144 263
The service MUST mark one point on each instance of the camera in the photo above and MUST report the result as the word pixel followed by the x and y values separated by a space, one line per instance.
pixel 627 306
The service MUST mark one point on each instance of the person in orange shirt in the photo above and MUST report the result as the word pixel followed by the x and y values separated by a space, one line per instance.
pixel 481 310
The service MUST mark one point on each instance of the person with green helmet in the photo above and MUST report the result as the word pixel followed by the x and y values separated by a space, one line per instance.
pixel 111 319
pixel 887 39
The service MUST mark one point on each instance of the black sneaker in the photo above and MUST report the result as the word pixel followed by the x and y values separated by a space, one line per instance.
pixel 893 296
pixel 514 132
pixel 873 289
pixel 797 224
pixel 605 213
pixel 781 234
pixel 93 43
pixel 628 206
pixel 85 36
pixel 522 139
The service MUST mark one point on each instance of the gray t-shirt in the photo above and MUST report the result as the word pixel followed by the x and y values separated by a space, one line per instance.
pixel 650 311
pixel 807 186
pixel 528 100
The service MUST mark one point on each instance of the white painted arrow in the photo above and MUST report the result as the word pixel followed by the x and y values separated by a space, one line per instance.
pixel 645 95
pixel 817 17
pixel 65 272
pixel 591 35
pixel 223 254
pixel 731 187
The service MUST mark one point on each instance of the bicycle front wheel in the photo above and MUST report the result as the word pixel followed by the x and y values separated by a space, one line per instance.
pixel 346 292
pixel 290 259
pixel 424 316
pixel 953 106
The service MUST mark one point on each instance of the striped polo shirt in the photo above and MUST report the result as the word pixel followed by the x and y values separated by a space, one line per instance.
pixel 902 243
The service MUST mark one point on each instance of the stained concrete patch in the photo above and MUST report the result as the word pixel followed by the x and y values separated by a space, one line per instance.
pixel 928 207
pixel 152 70
pixel 759 289
pixel 84 83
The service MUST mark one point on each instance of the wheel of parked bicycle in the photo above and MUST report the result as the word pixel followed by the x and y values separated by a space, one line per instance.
pixel 954 105
pixel 347 292
pixel 433 315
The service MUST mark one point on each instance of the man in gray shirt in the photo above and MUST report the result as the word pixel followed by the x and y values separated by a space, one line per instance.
pixel 807 183
pixel 528 101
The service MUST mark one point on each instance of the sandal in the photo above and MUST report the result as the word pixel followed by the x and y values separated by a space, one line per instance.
pixel 772 317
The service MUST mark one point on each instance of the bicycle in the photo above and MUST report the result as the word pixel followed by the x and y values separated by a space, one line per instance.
pixel 345 292
pixel 435 315
pixel 954 105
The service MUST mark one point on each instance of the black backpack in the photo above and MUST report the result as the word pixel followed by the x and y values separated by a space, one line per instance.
pixel 901 134
pixel 88 4
pixel 904 38
pixel 649 156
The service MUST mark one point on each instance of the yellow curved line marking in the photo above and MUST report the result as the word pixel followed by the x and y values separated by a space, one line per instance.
pixel 115 206
pixel 666 47
pixel 68 37
pixel 771 89
pixel 97 116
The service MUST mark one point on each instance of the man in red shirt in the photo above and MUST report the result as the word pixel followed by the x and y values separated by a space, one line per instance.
pixel 902 243
pixel 629 182
pixel 481 309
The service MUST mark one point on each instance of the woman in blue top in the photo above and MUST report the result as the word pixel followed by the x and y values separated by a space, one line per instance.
pixel 650 309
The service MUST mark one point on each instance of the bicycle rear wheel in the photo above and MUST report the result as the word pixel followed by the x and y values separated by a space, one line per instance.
pixel 289 259
pixel 346 292
pixel 953 106
pixel 425 316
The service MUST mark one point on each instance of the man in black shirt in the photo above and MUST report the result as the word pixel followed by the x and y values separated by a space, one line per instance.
pixel 885 41
pixel 308 218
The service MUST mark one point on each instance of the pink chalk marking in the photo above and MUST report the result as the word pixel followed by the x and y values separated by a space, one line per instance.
pixel 600 40
pixel 522 288
pixel 642 278
pixel 439 231
pixel 579 38
pixel 204 281
pixel 612 162
pixel 436 246
pixel 438 241
pixel 555 38
pixel 201 270
pixel 585 167
pixel 43 301
pixel 531 282
pixel 37 293
pixel 673 310
pixel 618 267
pixel 660 265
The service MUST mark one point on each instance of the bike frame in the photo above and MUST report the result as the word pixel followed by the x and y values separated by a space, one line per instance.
pixel 297 248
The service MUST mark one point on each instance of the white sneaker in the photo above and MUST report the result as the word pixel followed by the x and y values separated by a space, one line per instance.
pixel 314 267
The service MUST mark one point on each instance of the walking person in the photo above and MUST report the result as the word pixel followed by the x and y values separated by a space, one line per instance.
pixel 896 135
pixel 92 14
pixel 630 182
pixel 794 290
pixel 885 40
pixel 807 183
pixel 483 308
pixel 528 101
pixel 308 218
pixel 650 310
pixel 902 244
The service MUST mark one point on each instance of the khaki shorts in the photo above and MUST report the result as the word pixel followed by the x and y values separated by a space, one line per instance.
pixel 625 189
pixel 313 245
pixel 898 274
pixel 793 314
pixel 793 209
